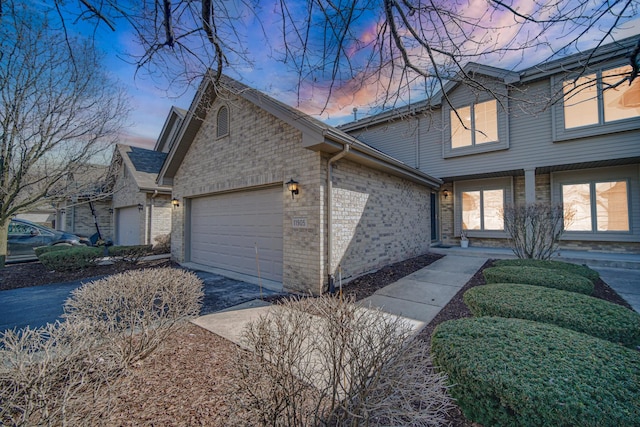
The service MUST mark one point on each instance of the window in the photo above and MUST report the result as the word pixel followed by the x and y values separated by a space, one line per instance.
pixel 482 210
pixel 222 122
pixel 474 124
pixel 592 99
pixel 596 206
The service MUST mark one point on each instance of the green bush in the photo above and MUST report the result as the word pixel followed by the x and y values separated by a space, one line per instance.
pixel 539 277
pixel 581 270
pixel 512 372
pixel 130 253
pixel 46 249
pixel 570 310
pixel 74 258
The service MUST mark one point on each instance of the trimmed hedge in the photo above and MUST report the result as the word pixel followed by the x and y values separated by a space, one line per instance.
pixel 45 249
pixel 539 277
pixel 73 258
pixel 514 372
pixel 581 270
pixel 130 253
pixel 581 313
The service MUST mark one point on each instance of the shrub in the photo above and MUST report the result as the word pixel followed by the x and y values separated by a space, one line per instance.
pixel 136 310
pixel 535 228
pixel 343 365
pixel 163 244
pixel 54 375
pixel 539 277
pixel 570 310
pixel 131 253
pixel 45 249
pixel 519 372
pixel 73 258
pixel 581 270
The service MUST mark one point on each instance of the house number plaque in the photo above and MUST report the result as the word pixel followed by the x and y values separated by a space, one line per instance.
pixel 299 222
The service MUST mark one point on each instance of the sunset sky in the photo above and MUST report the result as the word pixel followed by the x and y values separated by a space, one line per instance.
pixel 152 97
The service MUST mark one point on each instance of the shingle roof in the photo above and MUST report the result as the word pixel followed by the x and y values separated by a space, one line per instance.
pixel 144 160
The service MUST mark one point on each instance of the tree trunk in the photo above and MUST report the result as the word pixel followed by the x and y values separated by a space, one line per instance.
pixel 4 234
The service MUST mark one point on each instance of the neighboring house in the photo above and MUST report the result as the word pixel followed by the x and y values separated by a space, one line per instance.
pixel 141 208
pixel 356 210
pixel 549 134
pixel 88 208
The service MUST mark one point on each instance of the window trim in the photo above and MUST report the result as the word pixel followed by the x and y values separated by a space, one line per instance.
pixel 501 183
pixel 559 133
pixel 228 118
pixel 628 173
pixel 502 119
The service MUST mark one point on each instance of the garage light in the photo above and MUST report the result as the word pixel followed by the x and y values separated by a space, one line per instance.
pixel 140 207
pixel 175 203
pixel 293 187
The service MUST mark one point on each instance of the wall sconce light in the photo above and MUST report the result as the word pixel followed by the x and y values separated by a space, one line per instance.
pixel 110 210
pixel 175 203
pixel 293 187
pixel 63 211
pixel 445 193
pixel 140 207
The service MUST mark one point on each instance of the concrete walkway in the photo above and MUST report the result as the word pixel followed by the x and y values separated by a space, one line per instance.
pixel 417 297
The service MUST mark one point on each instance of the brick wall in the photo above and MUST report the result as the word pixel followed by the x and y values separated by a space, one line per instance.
pixel 79 219
pixel 260 150
pixel 378 219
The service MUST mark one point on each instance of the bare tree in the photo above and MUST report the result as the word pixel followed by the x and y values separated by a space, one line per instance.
pixel 58 111
pixel 388 49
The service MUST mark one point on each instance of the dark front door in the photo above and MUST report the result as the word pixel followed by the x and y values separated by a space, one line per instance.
pixel 434 217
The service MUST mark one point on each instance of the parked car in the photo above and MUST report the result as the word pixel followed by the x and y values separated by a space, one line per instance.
pixel 25 235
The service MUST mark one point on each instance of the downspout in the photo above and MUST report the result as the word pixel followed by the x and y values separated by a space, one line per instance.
pixel 344 152
pixel 150 217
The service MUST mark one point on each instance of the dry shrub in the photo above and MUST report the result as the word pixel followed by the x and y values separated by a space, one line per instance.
pixel 535 228
pixel 136 310
pixel 163 243
pixel 55 375
pixel 322 361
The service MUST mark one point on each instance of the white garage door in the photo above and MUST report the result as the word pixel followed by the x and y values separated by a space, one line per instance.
pixel 226 228
pixel 128 226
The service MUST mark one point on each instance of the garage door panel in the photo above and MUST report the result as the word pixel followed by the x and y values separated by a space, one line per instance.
pixel 226 228
pixel 128 226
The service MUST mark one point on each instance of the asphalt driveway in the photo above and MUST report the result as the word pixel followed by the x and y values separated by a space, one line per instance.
pixel 36 306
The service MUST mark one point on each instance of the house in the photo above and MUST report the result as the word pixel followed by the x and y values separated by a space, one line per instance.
pixel 86 211
pixel 267 191
pixel 555 133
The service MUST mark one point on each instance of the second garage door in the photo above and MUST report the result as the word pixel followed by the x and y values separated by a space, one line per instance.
pixel 225 230
pixel 128 226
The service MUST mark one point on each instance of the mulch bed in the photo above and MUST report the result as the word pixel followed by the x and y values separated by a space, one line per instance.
pixel 186 382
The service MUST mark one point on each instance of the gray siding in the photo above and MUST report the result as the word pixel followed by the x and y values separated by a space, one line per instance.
pixel 530 141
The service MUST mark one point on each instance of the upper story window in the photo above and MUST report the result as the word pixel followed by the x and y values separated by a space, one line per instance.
pixel 594 99
pixel 222 122
pixel 474 124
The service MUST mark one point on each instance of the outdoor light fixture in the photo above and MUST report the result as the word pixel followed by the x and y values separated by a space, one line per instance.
pixel 110 210
pixel 445 193
pixel 175 203
pixel 140 207
pixel 293 187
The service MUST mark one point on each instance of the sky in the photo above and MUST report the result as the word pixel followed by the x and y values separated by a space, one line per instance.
pixel 152 97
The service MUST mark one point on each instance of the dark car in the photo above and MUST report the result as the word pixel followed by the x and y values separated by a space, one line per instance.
pixel 24 236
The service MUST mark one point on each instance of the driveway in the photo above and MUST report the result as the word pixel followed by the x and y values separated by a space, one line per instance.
pixel 36 306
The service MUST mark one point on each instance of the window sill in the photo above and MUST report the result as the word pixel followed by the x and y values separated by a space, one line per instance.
pixel 477 149
pixel 561 134
pixel 600 237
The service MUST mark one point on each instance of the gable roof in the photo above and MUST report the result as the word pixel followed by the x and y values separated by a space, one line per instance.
pixel 144 166
pixel 316 135
pixel 170 129
pixel 545 69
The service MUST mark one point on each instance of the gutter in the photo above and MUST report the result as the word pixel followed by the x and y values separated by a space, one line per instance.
pixel 345 150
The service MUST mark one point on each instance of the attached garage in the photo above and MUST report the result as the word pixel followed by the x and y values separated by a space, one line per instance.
pixel 227 228
pixel 128 226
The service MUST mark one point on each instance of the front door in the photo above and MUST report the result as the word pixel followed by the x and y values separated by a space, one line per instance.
pixel 434 217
